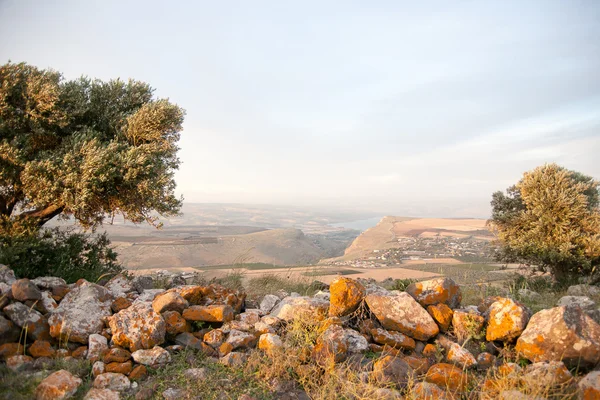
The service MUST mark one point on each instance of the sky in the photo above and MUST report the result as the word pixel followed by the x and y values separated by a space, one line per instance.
pixel 393 107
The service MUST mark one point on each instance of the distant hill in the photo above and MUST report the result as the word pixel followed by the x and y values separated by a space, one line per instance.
pixel 275 246
pixel 386 233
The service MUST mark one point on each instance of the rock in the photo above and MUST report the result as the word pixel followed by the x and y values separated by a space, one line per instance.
pixel 460 356
pixel 391 370
pixel 393 339
pixel 97 347
pixel 23 290
pixel 467 324
pixel 7 275
pixel 250 316
pixel 357 343
pixel 589 386
pixel 113 381
pixel 346 296
pixel 386 394
pixel 420 365
pixel 507 319
pixel 142 282
pixel 120 367
pixel 58 385
pixel 175 323
pixel 584 302
pixel 219 295
pixel 442 314
pixel 144 393
pixel 119 285
pixel 9 332
pixel 268 303
pixel 186 339
pixel 138 372
pixel 48 282
pixel 152 357
pixel 102 394
pixel 237 325
pixel 301 307
pixel 137 327
pixel 41 348
pixel 428 391
pixel 239 339
pixel 214 313
pixel 195 374
pixel 269 343
pixel 173 394
pixel 583 290
pixel 169 301
pixel 529 295
pixel 19 362
pixel 215 338
pixel 331 346
pixel 117 354
pixel 81 313
pixel 120 303
pixel 485 361
pixel 148 295
pixel 10 349
pixel 448 376
pixel 28 319
pixel 234 359
pixel 516 395
pixel 47 303
pixel 545 375
pixel 436 291
pixel 98 368
pixel 561 333
pixel 403 314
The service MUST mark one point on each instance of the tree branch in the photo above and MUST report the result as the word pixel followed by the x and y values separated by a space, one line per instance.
pixel 43 215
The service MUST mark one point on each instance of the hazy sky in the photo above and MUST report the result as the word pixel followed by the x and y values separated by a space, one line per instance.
pixel 401 107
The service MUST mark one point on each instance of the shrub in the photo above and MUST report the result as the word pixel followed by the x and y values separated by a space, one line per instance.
pixel 54 252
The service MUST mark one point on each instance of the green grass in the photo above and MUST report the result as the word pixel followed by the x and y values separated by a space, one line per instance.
pixel 221 382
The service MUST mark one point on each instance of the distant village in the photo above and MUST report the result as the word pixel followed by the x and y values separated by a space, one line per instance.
pixel 416 248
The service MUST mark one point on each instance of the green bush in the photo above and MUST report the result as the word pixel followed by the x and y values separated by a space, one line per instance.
pixel 54 252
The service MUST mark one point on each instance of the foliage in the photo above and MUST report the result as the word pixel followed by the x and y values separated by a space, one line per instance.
pixel 84 148
pixel 54 252
pixel 551 220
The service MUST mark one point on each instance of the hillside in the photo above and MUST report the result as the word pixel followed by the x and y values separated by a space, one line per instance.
pixel 393 233
pixel 276 246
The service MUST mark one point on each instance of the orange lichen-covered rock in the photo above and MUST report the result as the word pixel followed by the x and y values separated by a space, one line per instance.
pixel 81 313
pixel 403 314
pixel 507 320
pixel 41 348
pixel 269 343
pixel 175 323
pixel 419 364
pixel 467 324
pixel 119 367
pixel 448 376
pixel 120 303
pixel 589 386
pixel 393 339
pixel 442 314
pixel 435 291
pixel 152 357
pixel 331 346
pixel 215 313
pixel 137 327
pixel 301 307
pixel 214 338
pixel 219 295
pixel 58 385
pixel 169 301
pixel 80 353
pixel 138 372
pixel 346 296
pixel 565 334
pixel 117 354
pixel 28 319
pixel 429 350
pixel 191 293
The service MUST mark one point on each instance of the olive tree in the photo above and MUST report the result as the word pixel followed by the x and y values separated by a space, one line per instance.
pixel 84 148
pixel 550 220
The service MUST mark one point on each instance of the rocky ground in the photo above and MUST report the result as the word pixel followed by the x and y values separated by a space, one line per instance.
pixel 352 339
